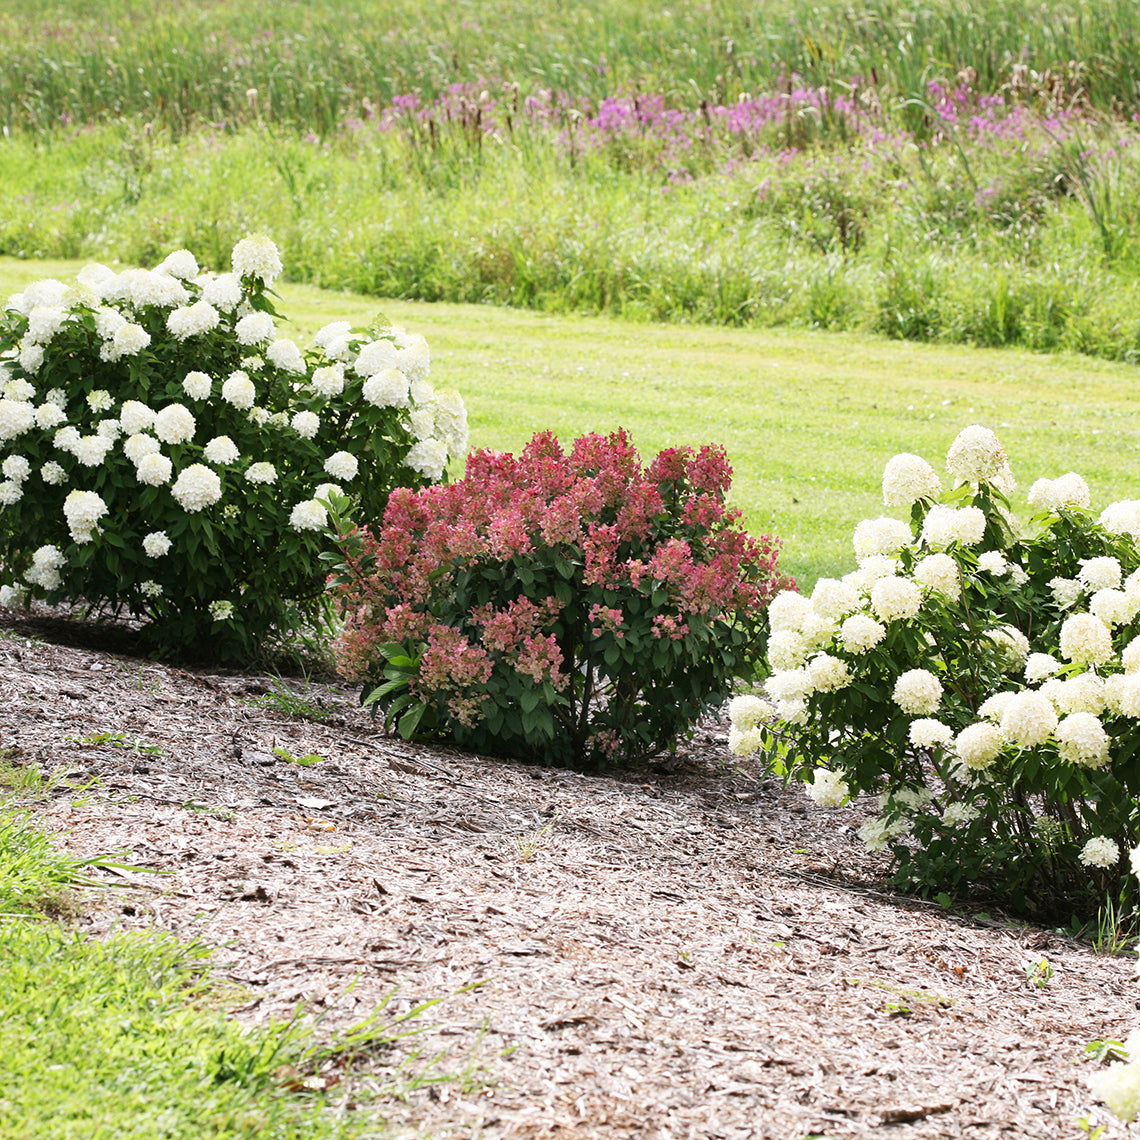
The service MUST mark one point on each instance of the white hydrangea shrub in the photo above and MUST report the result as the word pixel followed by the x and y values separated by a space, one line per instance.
pixel 982 675
pixel 173 454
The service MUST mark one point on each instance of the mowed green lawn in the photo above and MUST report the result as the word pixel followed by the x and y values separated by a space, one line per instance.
pixel 808 418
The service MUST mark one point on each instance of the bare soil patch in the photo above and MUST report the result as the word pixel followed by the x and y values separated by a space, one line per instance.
pixel 685 951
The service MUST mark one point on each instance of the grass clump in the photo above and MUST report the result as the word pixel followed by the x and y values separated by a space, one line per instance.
pixel 35 878
pixel 100 1039
pixel 127 1038
pixel 286 699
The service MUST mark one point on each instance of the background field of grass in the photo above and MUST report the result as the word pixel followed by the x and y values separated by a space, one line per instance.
pixel 860 206
pixel 808 418
pixel 136 129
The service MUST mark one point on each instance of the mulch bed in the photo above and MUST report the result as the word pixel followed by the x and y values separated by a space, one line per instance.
pixel 688 950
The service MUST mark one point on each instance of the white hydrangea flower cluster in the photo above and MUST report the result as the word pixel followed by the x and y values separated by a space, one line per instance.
pixel 156 544
pixel 1122 517
pixel 196 488
pixel 1085 640
pixel 328 381
pixel 860 633
pixel 53 473
pixel 827 673
pixel 1012 646
pixel 12 597
pixel 895 597
pixel 827 788
pixel 1114 607
pixel 83 510
pixel 978 745
pixel 1119 1084
pixel 1069 492
pixel 128 339
pixel 255 328
pixel 388 388
pixel 16 468
pixel 136 417
pixel 181 263
pixel 788 649
pixel 221 450
pixel 90 450
pixel 926 732
pixel 394 371
pixel 1100 574
pixel 197 385
pixel 1029 718
pixel 1082 739
pixel 16 417
pixel 747 715
pixel 876 833
pixel 238 389
pixel 908 478
pixel 993 562
pixel 1066 592
pixel 174 424
pixel 44 571
pixel 139 445
pixel 790 689
pixel 285 354
pixel 957 813
pixel 977 456
pixel 306 424
pixel 1085 692
pixel 155 469
pixel 261 473
pixel 833 599
pixel 884 536
pixel 308 515
pixel 49 415
pixel 257 256
pixel 938 574
pixel 429 458
pixel 342 465
pixel 918 692
pixel 945 525
pixel 1100 851
pixel 193 320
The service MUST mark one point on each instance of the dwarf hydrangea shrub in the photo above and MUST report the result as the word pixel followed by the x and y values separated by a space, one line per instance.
pixel 982 678
pixel 167 451
pixel 579 609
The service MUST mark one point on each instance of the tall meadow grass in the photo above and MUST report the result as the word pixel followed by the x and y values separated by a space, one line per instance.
pixel 186 65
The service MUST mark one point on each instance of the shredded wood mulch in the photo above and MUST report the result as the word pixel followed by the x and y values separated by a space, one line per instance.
pixel 684 951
